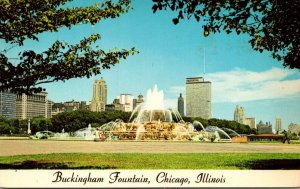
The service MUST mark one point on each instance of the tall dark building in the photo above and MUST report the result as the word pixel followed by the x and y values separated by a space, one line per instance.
pixel 138 101
pixel 83 105
pixel 8 104
pixel 180 105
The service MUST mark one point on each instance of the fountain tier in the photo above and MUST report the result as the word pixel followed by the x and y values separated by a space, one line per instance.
pixel 153 121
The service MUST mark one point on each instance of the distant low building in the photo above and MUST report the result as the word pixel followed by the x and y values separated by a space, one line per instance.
pixel 138 101
pixel 251 121
pixel 56 111
pixel 71 105
pixel 264 128
pixel 83 106
pixel 57 108
pixel 115 106
pixel 109 107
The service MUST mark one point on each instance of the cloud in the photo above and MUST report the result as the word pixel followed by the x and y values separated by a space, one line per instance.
pixel 240 85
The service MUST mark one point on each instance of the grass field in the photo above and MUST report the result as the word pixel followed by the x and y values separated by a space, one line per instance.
pixel 268 161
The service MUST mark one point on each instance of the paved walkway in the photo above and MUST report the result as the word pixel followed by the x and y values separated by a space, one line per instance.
pixel 20 147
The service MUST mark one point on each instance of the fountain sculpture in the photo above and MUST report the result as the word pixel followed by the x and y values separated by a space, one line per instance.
pixel 86 133
pixel 153 121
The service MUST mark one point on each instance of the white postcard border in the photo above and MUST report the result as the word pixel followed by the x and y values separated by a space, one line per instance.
pixel 148 178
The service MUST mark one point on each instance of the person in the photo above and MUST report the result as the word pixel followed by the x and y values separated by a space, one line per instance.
pixel 285 137
pixel 103 136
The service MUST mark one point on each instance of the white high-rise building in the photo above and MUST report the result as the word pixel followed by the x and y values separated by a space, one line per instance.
pixel 198 97
pixel 278 125
pixel 239 114
pixel 99 99
pixel 127 101
pixel 240 117
pixel 35 105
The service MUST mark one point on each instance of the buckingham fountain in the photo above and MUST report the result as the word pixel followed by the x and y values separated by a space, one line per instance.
pixel 151 120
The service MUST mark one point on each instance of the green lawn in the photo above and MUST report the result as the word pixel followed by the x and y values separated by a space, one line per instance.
pixel 152 161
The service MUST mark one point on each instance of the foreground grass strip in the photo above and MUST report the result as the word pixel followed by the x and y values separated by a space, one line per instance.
pixel 152 161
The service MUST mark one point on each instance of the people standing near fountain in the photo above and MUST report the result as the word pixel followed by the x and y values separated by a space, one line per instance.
pixel 286 136
pixel 103 136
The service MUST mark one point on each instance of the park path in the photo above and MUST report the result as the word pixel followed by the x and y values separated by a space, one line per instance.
pixel 22 147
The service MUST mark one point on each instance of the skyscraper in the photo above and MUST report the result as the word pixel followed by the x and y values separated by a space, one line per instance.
pixel 180 105
pixel 198 97
pixel 240 117
pixel 239 114
pixel 278 124
pixel 8 104
pixel 99 99
pixel 35 105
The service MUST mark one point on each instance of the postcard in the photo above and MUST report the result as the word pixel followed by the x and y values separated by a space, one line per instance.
pixel 161 93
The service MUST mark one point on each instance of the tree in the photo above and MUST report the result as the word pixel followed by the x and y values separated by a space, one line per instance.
pixel 25 19
pixel 221 123
pixel 273 25
pixel 4 126
pixel 40 124
pixel 75 120
pixel 23 126
pixel 15 125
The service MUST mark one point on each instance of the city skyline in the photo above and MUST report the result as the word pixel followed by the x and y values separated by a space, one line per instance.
pixel 170 53
pixel 237 116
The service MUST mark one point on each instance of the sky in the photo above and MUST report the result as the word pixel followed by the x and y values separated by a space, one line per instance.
pixel 169 54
